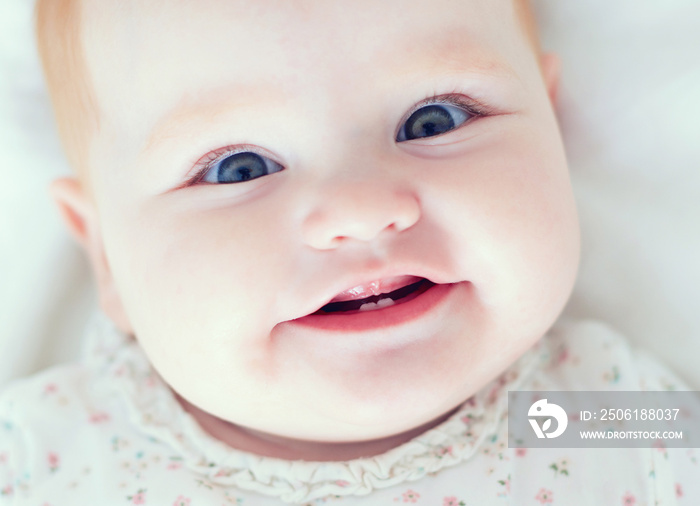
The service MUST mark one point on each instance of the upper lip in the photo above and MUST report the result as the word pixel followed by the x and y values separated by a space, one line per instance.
pixel 376 287
pixel 381 279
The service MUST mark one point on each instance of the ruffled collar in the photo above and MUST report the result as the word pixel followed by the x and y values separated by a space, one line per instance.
pixel 122 368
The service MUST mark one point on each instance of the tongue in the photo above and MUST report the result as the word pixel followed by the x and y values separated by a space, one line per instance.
pixel 378 287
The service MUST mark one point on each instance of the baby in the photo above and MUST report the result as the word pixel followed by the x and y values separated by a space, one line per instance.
pixel 328 238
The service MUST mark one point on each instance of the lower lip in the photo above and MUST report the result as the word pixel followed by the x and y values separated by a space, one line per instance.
pixel 389 316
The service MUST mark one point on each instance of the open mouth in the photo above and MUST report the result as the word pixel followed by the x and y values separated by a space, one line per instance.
pixel 379 305
pixel 380 301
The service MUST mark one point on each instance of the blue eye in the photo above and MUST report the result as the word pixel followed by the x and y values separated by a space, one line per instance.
pixel 240 167
pixel 432 120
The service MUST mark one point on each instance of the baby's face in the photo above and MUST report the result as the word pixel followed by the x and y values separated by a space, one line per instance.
pixel 257 160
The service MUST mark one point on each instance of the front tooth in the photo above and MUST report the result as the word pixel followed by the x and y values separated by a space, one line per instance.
pixel 388 301
pixel 369 306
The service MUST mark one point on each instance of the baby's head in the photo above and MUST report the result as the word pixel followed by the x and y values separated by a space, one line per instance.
pixel 244 163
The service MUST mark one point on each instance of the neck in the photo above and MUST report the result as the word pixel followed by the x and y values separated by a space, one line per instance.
pixel 269 445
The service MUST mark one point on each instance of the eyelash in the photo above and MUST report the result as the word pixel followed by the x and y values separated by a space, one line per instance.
pixel 456 98
pixel 208 161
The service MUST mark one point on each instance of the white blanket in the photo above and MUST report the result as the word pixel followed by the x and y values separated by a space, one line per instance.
pixel 630 113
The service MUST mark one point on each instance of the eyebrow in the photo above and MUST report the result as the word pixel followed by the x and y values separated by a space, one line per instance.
pixel 217 101
pixel 456 50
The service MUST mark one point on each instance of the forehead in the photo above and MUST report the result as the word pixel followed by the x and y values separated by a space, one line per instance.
pixel 237 26
pixel 146 56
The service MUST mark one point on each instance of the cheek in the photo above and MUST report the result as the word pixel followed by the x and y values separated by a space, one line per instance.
pixel 192 271
pixel 511 217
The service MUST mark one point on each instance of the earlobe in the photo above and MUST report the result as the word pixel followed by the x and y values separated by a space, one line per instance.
pixel 551 72
pixel 80 217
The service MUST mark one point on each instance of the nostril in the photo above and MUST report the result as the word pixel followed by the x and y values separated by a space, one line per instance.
pixel 336 241
pixel 358 213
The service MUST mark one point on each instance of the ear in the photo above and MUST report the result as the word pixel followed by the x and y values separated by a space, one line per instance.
pixel 551 72
pixel 80 217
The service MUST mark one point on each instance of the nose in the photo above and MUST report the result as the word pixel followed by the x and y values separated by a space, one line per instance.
pixel 359 211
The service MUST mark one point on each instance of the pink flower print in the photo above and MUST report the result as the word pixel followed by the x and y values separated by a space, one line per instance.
pixel 628 499
pixel 342 483
pixel 544 496
pixel 181 501
pixel 3 458
pixel 562 356
pixel 444 451
pixel 54 461
pixel 139 498
pixel 493 395
pixel 450 501
pixel 410 496
pixel 51 388
pixel 560 467
pixel 7 490
pixel 520 452
pixel 99 417
pixel 679 490
pixel 506 484
pixel 175 465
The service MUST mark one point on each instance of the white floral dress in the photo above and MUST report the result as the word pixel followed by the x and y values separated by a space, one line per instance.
pixel 108 432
